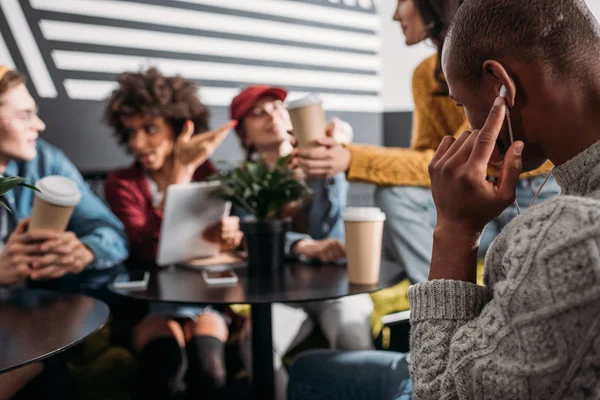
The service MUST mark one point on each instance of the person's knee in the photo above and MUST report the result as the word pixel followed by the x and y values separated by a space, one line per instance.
pixel 156 327
pixel 207 324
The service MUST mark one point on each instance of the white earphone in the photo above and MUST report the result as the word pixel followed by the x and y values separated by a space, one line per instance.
pixel 512 140
pixel 503 91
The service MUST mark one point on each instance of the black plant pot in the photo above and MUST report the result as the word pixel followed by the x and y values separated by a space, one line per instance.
pixel 265 241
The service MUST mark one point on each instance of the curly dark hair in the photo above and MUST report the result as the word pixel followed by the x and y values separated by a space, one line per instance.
pixel 437 16
pixel 151 93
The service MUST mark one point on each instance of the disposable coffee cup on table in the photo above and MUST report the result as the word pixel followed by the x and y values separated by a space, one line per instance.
pixel 364 235
pixel 308 120
pixel 54 203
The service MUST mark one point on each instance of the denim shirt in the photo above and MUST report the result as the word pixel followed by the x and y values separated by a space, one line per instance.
pixel 92 222
pixel 328 202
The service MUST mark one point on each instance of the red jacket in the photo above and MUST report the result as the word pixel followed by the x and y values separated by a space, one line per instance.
pixel 129 197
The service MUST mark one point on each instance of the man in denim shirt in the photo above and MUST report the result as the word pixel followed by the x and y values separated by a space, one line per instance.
pixel 94 241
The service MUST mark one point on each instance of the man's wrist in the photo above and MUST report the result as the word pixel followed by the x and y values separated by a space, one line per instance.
pixel 454 254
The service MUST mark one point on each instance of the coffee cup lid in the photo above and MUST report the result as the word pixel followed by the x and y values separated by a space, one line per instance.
pixel 309 100
pixel 363 214
pixel 59 190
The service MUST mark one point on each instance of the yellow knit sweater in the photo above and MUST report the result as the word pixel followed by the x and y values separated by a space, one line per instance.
pixel 433 118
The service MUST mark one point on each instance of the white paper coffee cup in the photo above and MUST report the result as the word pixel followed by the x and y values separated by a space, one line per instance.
pixel 54 203
pixel 308 119
pixel 364 235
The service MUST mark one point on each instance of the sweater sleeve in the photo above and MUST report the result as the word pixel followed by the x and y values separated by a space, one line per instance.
pixel 439 309
pixel 532 325
pixel 433 118
pixel 389 166
pixel 143 229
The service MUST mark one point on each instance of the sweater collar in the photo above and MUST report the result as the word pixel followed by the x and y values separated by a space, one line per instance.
pixel 580 176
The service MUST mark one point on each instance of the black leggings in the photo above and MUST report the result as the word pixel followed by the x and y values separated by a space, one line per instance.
pixel 167 370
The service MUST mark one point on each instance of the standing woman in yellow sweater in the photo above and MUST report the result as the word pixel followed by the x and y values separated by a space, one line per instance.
pixel 403 191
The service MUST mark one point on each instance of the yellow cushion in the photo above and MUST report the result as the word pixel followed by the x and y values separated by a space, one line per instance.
pixel 388 301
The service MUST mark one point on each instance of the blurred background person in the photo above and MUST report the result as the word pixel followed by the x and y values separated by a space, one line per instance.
pixel 161 121
pixel 317 232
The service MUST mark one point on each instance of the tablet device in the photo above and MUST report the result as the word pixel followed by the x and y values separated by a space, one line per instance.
pixel 189 210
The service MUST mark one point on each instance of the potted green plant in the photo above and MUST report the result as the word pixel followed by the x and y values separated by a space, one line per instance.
pixel 263 191
pixel 8 183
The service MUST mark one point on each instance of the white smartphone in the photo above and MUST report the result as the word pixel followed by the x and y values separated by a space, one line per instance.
pixel 220 278
pixel 132 280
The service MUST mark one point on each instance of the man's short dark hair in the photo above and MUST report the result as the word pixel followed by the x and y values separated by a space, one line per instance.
pixel 562 35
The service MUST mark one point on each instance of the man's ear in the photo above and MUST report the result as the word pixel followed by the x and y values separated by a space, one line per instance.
pixel 497 76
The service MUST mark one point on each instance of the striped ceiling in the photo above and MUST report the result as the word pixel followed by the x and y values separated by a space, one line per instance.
pixel 76 48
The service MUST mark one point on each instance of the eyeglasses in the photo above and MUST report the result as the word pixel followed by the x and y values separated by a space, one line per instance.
pixel 24 116
pixel 267 108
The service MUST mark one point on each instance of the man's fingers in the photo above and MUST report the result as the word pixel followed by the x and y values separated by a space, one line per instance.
pixel 458 151
pixel 442 148
pixel 42 235
pixel 511 169
pixel 24 248
pixel 51 245
pixel 44 261
pixel 65 248
pixel 46 273
pixel 488 135
pixel 22 227
pixel 341 250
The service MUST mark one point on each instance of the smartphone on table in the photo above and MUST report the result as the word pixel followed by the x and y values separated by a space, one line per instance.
pixel 132 280
pixel 224 277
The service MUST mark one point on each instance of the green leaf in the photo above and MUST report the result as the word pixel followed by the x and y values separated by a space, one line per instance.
pixel 284 161
pixel 10 182
pixel 2 205
pixel 262 190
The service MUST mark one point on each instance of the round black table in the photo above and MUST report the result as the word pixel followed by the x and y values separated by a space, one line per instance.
pixel 297 283
pixel 36 324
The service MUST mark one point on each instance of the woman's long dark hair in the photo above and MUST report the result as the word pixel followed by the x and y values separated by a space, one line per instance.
pixel 437 16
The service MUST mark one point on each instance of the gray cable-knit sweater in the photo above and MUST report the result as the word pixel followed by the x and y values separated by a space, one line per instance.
pixel 533 331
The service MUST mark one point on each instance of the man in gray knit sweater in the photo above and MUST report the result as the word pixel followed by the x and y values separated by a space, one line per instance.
pixel 533 330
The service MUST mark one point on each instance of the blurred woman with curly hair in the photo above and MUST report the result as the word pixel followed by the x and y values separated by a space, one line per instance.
pixel 162 123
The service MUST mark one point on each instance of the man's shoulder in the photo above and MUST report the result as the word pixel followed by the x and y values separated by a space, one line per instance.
pixel 553 226
pixel 554 242
pixel 563 215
